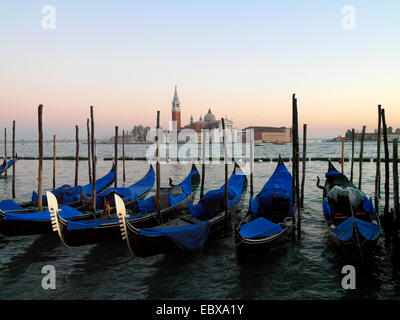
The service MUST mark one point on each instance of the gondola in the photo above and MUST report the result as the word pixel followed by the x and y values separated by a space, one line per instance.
pixel 188 232
pixel 38 222
pixel 141 214
pixel 351 219
pixel 268 221
pixel 76 197
pixel 4 167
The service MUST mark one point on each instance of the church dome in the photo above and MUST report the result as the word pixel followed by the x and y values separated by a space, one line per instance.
pixel 209 117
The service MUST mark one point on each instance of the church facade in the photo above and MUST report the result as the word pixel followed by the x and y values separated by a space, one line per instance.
pixel 209 122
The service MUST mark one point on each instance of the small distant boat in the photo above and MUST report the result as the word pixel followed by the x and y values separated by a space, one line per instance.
pixel 269 219
pixel 281 143
pixel 4 167
pixel 142 213
pixel 188 232
pixel 351 219
pixel 259 144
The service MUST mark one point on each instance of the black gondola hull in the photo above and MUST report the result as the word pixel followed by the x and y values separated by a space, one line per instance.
pixel 146 246
pixel 107 232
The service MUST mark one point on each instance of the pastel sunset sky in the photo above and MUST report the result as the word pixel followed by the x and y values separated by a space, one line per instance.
pixel 243 59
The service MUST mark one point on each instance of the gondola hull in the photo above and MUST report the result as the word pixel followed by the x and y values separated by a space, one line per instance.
pixel 12 228
pixel 267 224
pixel 108 228
pixel 247 249
pixel 80 204
pixel 146 246
pixel 111 231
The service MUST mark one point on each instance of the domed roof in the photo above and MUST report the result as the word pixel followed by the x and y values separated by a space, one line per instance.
pixel 209 117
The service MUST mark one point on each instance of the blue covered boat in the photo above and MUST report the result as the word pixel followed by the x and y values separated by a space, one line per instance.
pixel 191 231
pixel 17 223
pixel 350 216
pixel 77 197
pixel 269 219
pixel 142 213
pixel 7 164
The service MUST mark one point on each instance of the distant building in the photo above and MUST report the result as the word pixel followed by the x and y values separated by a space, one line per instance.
pixel 272 134
pixel 137 135
pixel 373 136
pixel 176 110
pixel 208 123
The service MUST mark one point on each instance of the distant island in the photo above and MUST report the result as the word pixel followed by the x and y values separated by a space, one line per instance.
pixel 373 136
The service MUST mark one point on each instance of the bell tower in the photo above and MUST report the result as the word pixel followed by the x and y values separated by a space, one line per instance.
pixel 176 110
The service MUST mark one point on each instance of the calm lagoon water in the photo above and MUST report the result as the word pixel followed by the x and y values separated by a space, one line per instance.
pixel 310 269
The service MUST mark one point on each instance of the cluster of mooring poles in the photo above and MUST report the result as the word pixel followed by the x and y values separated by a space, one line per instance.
pixel 391 223
pixel 91 142
pixel 297 189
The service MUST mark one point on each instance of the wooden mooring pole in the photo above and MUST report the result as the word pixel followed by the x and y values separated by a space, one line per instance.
pixel 361 157
pixel 116 157
pixel 378 161
pixel 93 159
pixel 54 161
pixel 40 129
pixel 251 162
pixel 303 172
pixel 5 151
pixel 353 136
pixel 342 158
pixel 76 155
pixel 295 160
pixel 13 157
pixel 226 174
pixel 293 164
pixel 203 160
pixel 396 182
pixel 123 156
pixel 158 168
pixel 296 119
pixel 386 147
pixel 89 153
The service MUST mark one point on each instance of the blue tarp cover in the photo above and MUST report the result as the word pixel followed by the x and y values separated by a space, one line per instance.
pixel 58 193
pixel 344 231
pixel 368 205
pixel 8 164
pixel 188 238
pixel 132 192
pixel 332 173
pixel 259 228
pixel 204 209
pixel 278 186
pixel 187 188
pixel 66 213
pixel 369 230
pixel 6 205
pixel 327 209
pixel 67 194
